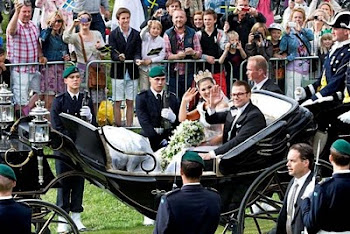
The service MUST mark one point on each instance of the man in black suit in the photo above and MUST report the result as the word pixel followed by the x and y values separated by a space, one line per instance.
pixel 14 217
pixel 257 72
pixel 240 122
pixel 193 208
pixel 300 160
pixel 126 45
pixel 157 121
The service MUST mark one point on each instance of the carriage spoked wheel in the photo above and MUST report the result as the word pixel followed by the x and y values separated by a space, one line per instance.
pixel 263 200
pixel 45 217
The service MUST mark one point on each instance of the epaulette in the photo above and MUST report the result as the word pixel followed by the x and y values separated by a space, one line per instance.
pixel 211 189
pixel 172 192
pixel 172 93
pixel 59 95
pixel 143 91
pixel 325 180
pixel 24 204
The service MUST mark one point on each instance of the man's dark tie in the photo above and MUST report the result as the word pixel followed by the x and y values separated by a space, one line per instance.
pixel 290 208
pixel 75 98
pixel 159 97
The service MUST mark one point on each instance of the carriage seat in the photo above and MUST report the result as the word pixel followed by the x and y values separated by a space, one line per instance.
pixel 273 108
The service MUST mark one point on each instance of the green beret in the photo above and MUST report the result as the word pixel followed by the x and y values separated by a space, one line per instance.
pixel 7 172
pixel 70 70
pixel 192 157
pixel 342 146
pixel 156 71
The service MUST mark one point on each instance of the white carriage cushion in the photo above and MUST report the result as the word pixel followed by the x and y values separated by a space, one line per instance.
pixel 133 146
pixel 272 107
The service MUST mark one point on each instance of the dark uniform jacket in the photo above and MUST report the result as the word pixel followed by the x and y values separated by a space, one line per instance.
pixel 15 217
pixel 334 69
pixel 131 49
pixel 269 85
pixel 249 122
pixel 148 112
pixel 191 209
pixel 63 103
pixel 297 222
pixel 329 205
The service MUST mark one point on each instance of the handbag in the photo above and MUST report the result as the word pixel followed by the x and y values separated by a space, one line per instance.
pixel 93 82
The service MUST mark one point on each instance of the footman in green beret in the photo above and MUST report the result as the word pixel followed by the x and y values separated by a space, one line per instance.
pixel 193 208
pixel 326 210
pixel 14 217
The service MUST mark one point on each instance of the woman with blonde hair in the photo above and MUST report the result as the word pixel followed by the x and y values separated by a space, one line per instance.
pixel 296 41
pixel 54 49
pixel 258 43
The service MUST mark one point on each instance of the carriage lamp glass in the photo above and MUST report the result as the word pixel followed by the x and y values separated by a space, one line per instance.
pixel 6 107
pixel 39 127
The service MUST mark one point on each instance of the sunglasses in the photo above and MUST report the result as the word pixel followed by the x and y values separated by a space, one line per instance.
pixel 59 21
pixel 85 20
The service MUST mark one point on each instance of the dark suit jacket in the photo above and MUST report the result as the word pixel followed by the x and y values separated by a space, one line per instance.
pixel 15 217
pixel 269 85
pixel 297 222
pixel 131 49
pixel 148 113
pixel 249 122
pixel 191 209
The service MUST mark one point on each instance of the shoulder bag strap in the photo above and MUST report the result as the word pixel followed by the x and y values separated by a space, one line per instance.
pixel 82 47
pixel 303 43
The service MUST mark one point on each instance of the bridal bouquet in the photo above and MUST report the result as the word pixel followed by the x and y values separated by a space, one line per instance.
pixel 187 134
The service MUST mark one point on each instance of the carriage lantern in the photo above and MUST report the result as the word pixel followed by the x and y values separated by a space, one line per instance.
pixel 6 107
pixel 39 126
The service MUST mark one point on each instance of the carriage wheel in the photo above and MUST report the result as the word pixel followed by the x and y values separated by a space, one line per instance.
pixel 262 202
pixel 45 217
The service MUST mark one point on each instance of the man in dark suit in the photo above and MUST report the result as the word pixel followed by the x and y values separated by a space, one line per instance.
pixel 70 194
pixel 323 210
pixel 300 160
pixel 126 45
pixel 193 208
pixel 257 72
pixel 157 121
pixel 14 217
pixel 240 122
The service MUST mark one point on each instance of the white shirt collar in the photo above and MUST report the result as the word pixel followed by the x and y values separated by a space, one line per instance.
pixel 241 109
pixel 337 45
pixel 341 172
pixel 300 181
pixel 155 92
pixel 260 84
pixel 5 197
pixel 72 94
pixel 196 183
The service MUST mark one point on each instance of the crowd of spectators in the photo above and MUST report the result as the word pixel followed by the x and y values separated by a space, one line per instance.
pixel 216 32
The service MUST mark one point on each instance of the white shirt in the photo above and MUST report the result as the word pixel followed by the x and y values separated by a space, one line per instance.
pixel 155 92
pixel 73 94
pixel 257 86
pixel 5 197
pixel 300 181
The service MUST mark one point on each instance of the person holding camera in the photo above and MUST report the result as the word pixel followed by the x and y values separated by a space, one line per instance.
pixel 242 20
pixel 257 42
pixel 296 41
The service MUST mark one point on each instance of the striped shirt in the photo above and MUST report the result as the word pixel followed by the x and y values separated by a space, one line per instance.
pixel 23 46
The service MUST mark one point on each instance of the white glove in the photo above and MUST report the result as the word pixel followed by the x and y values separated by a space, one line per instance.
pixel 299 93
pixel 309 190
pixel 345 117
pixel 86 112
pixel 167 113
pixel 308 102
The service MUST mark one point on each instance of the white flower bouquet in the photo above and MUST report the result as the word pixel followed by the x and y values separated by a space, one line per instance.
pixel 187 134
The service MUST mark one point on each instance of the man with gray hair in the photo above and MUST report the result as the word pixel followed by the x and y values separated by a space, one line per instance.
pixel 257 73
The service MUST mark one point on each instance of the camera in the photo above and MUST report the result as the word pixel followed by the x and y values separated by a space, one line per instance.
pixel 291 24
pixel 233 46
pixel 257 35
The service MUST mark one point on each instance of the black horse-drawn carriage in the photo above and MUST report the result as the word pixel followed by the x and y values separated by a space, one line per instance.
pixel 251 174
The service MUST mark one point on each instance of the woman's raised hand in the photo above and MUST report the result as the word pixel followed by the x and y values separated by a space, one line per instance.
pixel 189 94
pixel 215 96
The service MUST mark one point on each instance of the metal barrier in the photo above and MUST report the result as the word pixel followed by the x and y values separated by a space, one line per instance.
pixel 174 81
pixel 287 74
pixel 36 72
